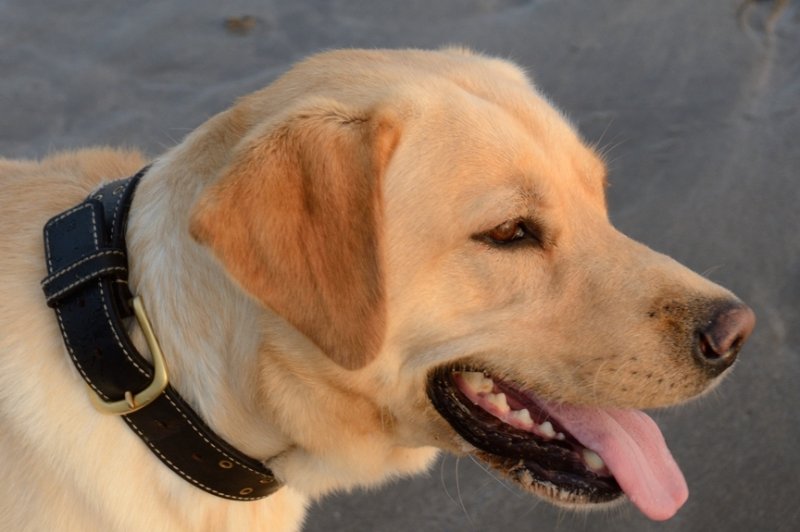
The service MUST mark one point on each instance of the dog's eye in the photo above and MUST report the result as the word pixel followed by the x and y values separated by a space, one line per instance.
pixel 507 232
pixel 511 232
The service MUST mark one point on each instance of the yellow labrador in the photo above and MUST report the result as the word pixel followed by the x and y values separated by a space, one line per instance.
pixel 382 254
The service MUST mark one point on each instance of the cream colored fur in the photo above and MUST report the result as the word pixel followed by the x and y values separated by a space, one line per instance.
pixel 460 143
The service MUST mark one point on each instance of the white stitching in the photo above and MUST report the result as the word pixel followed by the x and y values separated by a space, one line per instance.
pixel 210 443
pixel 99 284
pixel 59 218
pixel 71 267
pixel 68 213
pixel 108 317
pixel 181 472
pixel 116 336
pixel 94 230
pixel 70 350
pixel 74 358
pixel 108 314
pixel 83 279
pixel 102 298
pixel 116 211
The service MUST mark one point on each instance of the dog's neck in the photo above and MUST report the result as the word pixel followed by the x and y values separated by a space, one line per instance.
pixel 210 332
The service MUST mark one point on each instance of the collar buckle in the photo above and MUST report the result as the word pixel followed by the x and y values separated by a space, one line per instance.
pixel 133 402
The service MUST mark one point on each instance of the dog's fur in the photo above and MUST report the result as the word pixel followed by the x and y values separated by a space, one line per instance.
pixel 307 257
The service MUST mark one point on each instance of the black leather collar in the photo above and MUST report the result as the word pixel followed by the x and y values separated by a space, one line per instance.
pixel 87 286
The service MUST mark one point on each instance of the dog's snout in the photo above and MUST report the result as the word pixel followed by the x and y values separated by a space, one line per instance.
pixel 721 338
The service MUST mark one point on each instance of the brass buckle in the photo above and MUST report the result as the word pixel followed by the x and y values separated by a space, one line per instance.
pixel 132 402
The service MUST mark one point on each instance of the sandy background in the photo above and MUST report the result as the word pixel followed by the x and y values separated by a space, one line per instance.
pixel 700 112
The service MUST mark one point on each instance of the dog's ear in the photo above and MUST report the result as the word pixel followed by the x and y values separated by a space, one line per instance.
pixel 296 219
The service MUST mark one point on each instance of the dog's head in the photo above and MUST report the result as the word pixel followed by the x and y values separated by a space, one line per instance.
pixel 440 233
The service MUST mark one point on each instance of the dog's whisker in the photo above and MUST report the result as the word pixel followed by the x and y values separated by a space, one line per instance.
pixel 617 381
pixel 458 491
pixel 613 144
pixel 708 271
pixel 596 379
pixel 443 481
pixel 494 477
pixel 599 141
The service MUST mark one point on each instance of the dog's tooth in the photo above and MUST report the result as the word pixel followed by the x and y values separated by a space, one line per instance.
pixel 593 460
pixel 547 429
pixel 560 436
pixel 472 379
pixel 477 382
pixel 498 400
pixel 522 417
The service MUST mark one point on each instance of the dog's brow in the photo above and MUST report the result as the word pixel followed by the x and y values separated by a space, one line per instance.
pixel 602 176
pixel 531 194
pixel 596 170
pixel 506 203
pixel 593 173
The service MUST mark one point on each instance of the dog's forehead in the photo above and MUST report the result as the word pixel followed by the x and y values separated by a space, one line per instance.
pixel 501 154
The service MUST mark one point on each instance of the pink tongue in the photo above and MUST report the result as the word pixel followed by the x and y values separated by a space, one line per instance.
pixel 633 448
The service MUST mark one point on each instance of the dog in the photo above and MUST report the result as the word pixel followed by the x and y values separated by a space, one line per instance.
pixel 381 255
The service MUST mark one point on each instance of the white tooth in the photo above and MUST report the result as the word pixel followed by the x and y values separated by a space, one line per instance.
pixel 486 386
pixel 522 417
pixel 472 379
pixel 476 381
pixel 593 460
pixel 498 400
pixel 547 429
pixel 560 436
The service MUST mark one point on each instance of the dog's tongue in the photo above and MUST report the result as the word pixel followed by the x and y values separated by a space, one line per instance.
pixel 634 450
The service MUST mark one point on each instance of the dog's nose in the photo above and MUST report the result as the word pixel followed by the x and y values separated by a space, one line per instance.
pixel 721 338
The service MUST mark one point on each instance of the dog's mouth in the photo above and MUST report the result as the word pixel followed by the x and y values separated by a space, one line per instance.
pixel 577 456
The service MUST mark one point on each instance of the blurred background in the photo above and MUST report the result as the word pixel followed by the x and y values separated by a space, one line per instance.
pixel 696 103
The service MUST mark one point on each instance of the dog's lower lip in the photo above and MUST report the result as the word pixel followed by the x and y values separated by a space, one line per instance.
pixel 539 454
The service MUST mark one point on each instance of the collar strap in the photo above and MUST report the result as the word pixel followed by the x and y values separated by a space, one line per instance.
pixel 87 285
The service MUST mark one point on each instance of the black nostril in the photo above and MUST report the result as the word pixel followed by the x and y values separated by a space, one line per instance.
pixel 721 338
pixel 706 350
pixel 714 353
